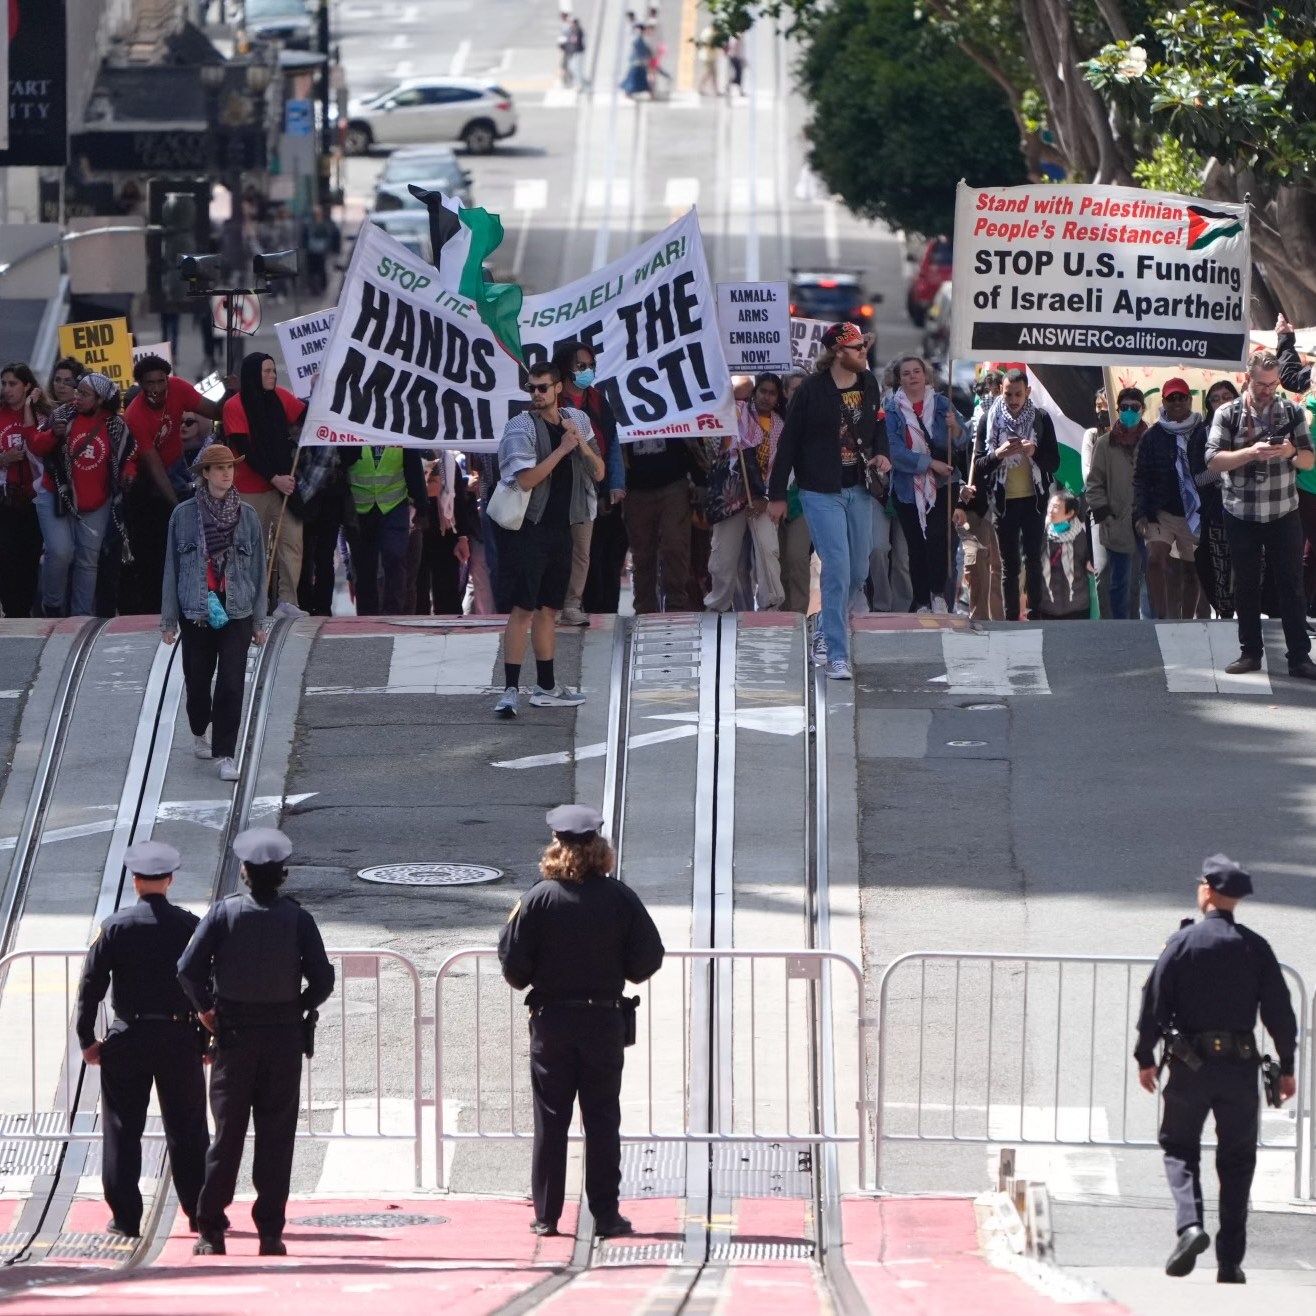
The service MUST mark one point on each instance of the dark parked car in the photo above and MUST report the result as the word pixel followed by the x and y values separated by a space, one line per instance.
pixel 835 295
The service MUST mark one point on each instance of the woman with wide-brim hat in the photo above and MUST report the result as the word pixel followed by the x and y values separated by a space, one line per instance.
pixel 214 576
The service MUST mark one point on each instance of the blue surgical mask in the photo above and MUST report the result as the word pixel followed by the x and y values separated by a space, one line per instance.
pixel 1129 417
pixel 583 378
pixel 1060 526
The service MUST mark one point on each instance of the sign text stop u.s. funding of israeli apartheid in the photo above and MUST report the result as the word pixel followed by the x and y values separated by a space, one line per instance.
pixel 1068 274
pixel 408 361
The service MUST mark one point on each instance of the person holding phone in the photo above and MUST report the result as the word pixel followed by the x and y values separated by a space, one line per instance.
pixel 20 531
pixel 1260 442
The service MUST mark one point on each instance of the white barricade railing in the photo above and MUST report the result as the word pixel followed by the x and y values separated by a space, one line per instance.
pixel 765 1053
pixel 39 1099
pixel 1030 1049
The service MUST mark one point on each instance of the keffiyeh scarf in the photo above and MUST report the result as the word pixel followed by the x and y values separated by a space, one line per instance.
pixel 219 523
pixel 925 485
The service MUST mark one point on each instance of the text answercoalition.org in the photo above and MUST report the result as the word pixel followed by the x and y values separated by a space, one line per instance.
pixel 1000 336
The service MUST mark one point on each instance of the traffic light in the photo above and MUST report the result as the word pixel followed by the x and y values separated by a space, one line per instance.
pixel 178 210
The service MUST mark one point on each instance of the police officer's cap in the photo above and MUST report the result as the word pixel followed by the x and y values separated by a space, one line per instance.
pixel 262 845
pixel 574 822
pixel 151 859
pixel 1222 874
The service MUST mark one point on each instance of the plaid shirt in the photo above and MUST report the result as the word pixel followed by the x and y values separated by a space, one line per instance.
pixel 1261 491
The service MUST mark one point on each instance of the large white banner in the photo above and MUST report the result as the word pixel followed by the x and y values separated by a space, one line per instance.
pixel 1099 275
pixel 409 363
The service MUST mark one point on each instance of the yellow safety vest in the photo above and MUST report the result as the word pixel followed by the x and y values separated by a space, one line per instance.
pixel 378 484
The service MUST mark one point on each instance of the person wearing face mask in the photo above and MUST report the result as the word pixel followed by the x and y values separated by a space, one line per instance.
pixel 1260 443
pixel 1108 487
pixel 1167 508
pixel 1090 435
pixel 1066 562
pixel 598 546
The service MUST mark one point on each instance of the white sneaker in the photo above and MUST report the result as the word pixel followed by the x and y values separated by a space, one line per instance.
pixel 507 705
pixel 228 770
pixel 819 650
pixel 924 612
pixel 201 747
pixel 839 670
pixel 939 608
pixel 558 697
pixel 573 617
pixel 290 610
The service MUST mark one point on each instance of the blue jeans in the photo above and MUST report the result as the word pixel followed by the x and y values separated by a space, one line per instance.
pixel 73 542
pixel 1120 565
pixel 841 527
pixel 54 586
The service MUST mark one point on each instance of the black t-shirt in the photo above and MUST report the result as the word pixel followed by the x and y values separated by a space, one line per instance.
pixel 558 512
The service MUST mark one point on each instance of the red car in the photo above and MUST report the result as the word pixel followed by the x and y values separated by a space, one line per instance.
pixel 933 270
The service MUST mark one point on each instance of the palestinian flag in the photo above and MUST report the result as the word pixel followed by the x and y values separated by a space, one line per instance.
pixel 1208 226
pixel 463 238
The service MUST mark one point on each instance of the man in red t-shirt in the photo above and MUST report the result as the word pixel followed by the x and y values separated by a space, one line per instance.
pixel 155 418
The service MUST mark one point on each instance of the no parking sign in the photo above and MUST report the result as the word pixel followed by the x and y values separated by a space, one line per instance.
pixel 246 313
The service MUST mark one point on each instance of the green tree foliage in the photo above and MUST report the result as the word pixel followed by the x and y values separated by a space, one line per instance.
pixel 900 115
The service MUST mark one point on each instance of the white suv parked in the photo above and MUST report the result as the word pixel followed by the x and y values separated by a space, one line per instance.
pixel 470 110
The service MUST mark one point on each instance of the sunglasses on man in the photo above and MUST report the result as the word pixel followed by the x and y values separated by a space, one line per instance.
pixel 539 388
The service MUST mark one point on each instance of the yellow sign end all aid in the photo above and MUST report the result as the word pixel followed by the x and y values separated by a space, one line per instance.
pixel 105 346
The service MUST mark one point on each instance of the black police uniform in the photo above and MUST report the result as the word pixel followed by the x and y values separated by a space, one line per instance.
pixel 246 961
pixel 576 944
pixel 1208 984
pixel 153 1039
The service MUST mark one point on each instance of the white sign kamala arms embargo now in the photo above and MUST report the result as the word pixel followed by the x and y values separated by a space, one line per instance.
pixel 409 362
pixel 756 326
pixel 302 342
pixel 1114 275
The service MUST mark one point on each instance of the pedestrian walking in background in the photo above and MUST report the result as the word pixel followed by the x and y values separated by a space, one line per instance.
pixel 636 81
pixel 153 1040
pixel 213 593
pixel 738 499
pixel 262 425
pixel 576 57
pixel 707 51
pixel 1167 505
pixel 1016 455
pixel 575 939
pixel 831 440
pixel 549 455
pixel 1259 443
pixel 155 420
pixel 1108 487
pixel 89 463
pixel 923 431
pixel 20 526
pixel 244 971
pixel 576 363
pixel 388 491
pixel 1202 1001
pixel 321 239
pixel 735 49
pixel 1215 568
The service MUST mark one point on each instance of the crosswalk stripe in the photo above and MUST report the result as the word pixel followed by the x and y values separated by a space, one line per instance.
pixel 995 663
pixel 1195 655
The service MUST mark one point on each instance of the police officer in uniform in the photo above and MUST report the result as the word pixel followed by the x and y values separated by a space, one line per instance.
pixel 1202 997
pixel 243 970
pixel 153 1039
pixel 575 938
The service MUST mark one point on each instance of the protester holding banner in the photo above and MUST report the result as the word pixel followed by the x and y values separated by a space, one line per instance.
pixel 1215 568
pixel 1109 492
pixel 658 510
pixel 548 457
pixel 20 528
pixel 388 492
pixel 598 547
pixel 831 440
pixel 1259 443
pixel 90 462
pixel 1016 454
pixel 445 538
pixel 924 431
pixel 737 499
pixel 155 420
pixel 260 425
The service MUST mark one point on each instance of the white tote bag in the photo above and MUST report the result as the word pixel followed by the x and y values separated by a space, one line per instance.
pixel 507 505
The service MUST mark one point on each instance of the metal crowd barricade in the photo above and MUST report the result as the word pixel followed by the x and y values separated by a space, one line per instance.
pixel 981 1047
pixel 363 1101
pixel 761 1021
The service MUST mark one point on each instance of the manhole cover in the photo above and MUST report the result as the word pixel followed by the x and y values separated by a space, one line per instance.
pixel 382 1220
pixel 430 874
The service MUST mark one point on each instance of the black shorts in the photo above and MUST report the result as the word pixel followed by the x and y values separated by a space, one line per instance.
pixel 534 566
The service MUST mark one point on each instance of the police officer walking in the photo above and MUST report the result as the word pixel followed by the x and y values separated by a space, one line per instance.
pixel 243 970
pixel 575 938
pixel 153 1039
pixel 1202 999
